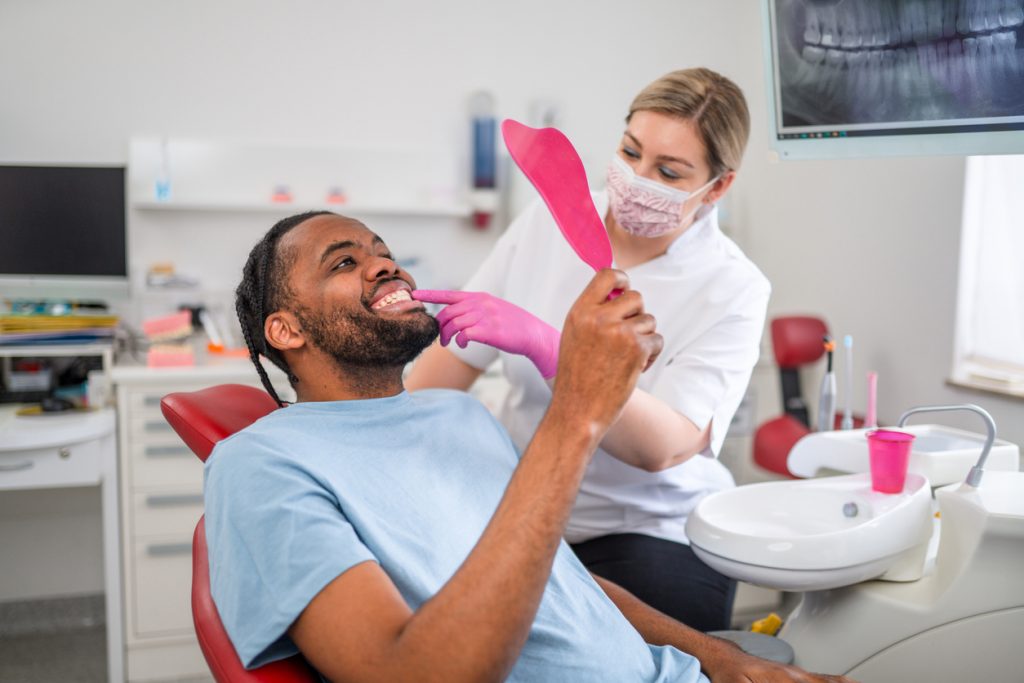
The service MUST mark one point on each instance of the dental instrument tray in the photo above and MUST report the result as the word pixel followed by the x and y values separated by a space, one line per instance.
pixel 942 454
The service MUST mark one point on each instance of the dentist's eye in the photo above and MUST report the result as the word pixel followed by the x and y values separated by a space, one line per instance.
pixel 668 173
pixel 630 152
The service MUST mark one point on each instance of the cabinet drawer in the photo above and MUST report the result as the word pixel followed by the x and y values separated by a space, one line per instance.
pixel 74 465
pixel 151 428
pixel 147 400
pixel 161 585
pixel 164 513
pixel 165 464
pixel 145 404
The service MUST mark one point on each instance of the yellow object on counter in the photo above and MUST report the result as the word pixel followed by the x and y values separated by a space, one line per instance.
pixel 769 625
pixel 14 323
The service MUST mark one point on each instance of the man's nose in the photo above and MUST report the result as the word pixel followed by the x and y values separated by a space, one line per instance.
pixel 381 267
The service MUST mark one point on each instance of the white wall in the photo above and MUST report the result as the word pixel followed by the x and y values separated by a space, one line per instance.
pixel 870 245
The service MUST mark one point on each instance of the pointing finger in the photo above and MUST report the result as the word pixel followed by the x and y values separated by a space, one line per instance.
pixel 439 296
pixel 458 324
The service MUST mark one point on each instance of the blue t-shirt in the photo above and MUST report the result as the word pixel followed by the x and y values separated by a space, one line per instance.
pixel 410 482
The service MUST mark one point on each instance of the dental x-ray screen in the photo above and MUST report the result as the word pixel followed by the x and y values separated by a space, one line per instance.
pixel 895 77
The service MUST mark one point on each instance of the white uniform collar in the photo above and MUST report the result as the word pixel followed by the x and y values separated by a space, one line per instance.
pixel 705 224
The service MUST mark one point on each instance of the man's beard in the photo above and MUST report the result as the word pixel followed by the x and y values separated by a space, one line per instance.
pixel 359 338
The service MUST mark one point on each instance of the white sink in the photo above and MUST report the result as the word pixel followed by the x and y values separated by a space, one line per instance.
pixel 814 534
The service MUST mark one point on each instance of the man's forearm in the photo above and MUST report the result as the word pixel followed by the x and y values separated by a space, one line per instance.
pixel 719 659
pixel 661 629
pixel 477 623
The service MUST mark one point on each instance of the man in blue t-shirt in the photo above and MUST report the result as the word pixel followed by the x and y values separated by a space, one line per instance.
pixel 390 536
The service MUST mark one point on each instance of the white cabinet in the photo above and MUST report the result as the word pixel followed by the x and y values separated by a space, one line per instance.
pixel 74 464
pixel 53 451
pixel 161 502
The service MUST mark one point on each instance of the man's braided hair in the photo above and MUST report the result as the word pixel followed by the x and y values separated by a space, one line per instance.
pixel 261 292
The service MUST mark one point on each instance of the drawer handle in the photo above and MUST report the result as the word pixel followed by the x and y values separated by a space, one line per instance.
pixel 167 451
pixel 17 466
pixel 168 549
pixel 157 427
pixel 174 500
pixel 151 401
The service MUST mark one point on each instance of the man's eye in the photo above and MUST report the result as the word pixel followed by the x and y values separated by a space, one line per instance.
pixel 630 152
pixel 343 262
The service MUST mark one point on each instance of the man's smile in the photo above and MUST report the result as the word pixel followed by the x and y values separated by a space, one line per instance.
pixel 394 296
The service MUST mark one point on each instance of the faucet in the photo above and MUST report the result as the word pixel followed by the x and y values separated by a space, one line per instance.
pixel 974 476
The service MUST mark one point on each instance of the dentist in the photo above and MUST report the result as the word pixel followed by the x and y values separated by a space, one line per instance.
pixel 679 154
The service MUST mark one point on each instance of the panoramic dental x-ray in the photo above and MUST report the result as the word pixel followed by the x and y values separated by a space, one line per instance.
pixel 873 61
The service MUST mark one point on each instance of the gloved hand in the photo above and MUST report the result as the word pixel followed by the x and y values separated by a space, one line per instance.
pixel 481 317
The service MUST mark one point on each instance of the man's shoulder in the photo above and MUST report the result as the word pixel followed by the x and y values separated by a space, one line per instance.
pixel 263 440
pixel 449 399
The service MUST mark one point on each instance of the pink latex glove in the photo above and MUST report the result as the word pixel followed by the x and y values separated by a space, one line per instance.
pixel 484 318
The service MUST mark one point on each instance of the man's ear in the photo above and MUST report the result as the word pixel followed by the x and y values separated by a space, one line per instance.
pixel 283 331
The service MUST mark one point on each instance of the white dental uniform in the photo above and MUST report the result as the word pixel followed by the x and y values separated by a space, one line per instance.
pixel 709 300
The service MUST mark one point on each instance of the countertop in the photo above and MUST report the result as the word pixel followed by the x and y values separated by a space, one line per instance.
pixel 24 432
pixel 212 370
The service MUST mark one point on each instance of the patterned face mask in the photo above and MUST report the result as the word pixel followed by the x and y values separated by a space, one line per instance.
pixel 645 207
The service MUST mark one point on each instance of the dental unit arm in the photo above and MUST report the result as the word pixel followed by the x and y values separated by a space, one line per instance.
pixel 974 476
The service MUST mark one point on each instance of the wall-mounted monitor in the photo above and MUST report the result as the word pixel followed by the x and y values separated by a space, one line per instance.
pixel 856 78
pixel 62 231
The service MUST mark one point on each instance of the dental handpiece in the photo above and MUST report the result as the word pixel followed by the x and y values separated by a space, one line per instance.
pixel 827 395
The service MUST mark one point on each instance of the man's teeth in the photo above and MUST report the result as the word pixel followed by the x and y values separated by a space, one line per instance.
pixel 392 298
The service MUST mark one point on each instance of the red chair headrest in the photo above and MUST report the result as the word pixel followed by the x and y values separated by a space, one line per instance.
pixel 797 340
pixel 774 440
pixel 202 418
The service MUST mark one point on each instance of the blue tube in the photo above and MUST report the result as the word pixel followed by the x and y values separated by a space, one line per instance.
pixel 484 151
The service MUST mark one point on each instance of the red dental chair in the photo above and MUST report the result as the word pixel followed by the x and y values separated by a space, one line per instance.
pixel 796 341
pixel 201 419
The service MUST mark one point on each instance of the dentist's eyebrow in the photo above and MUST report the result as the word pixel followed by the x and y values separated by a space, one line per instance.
pixel 344 244
pixel 660 157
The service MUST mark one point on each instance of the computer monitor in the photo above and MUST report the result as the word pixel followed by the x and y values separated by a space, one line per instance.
pixel 857 78
pixel 62 232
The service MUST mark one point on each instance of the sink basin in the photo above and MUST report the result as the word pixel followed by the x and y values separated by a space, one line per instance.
pixel 814 534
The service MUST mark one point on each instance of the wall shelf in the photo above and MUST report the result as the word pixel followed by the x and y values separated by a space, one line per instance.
pixel 214 176
pixel 285 208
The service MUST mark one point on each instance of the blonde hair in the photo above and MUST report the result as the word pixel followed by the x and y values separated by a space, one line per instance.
pixel 712 102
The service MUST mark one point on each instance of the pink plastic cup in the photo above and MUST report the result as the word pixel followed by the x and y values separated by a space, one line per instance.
pixel 889 452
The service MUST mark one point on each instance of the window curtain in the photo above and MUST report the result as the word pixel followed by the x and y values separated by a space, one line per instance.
pixel 990 313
